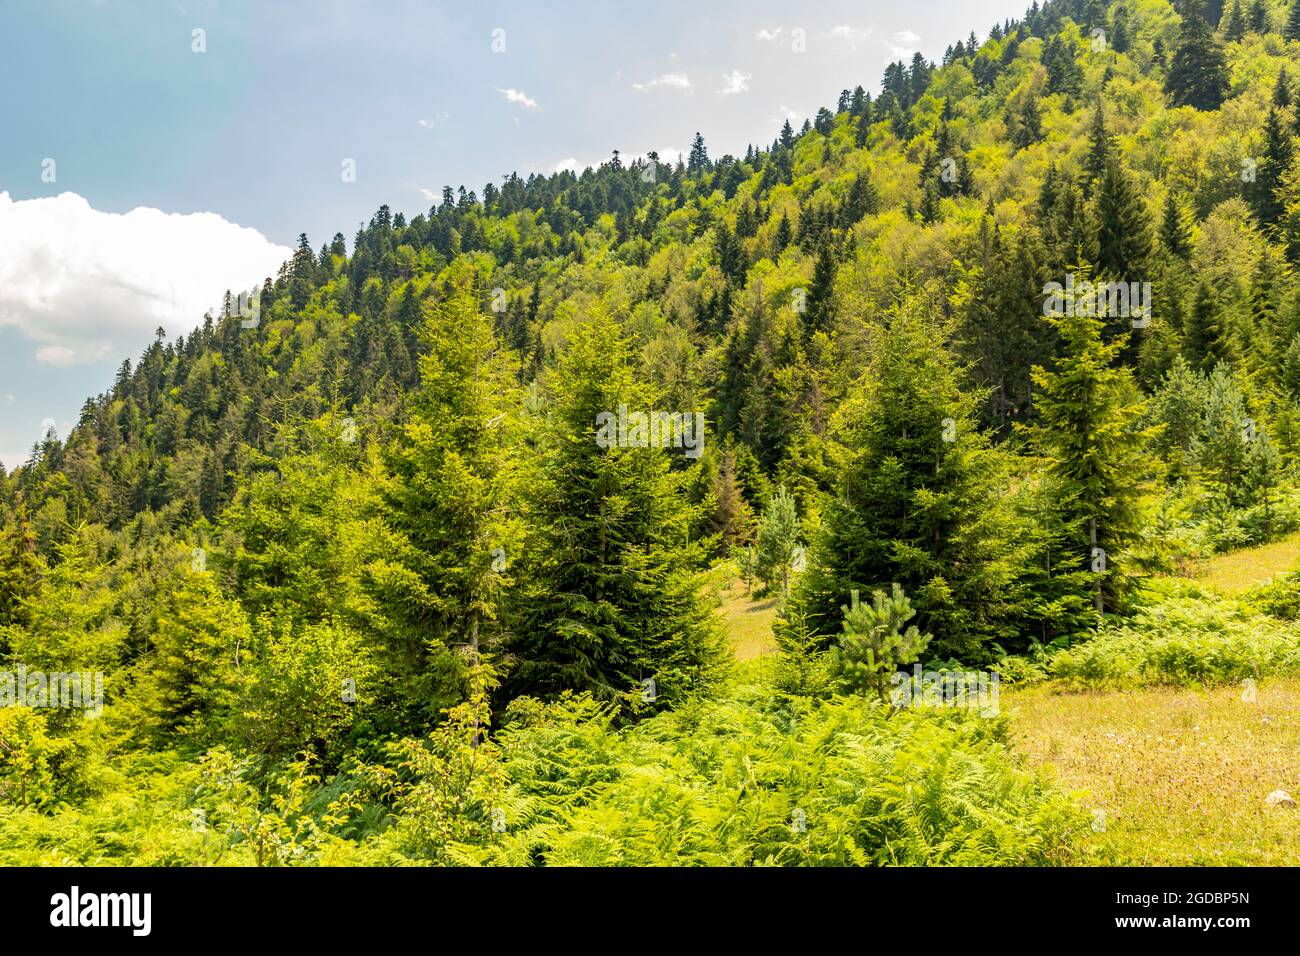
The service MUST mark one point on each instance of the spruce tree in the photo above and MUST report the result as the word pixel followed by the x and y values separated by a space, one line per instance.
pixel 456 470
pixel 1175 234
pixel 777 539
pixel 1198 73
pixel 1088 434
pixel 1265 193
pixel 1291 30
pixel 1225 449
pixel 920 499
pixel 1123 228
pixel 613 596
pixel 1205 337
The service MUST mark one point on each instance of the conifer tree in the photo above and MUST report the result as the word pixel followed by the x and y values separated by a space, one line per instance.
pixel 1175 234
pixel 1265 193
pixel 1291 30
pixel 1123 228
pixel 1205 337
pixel 920 499
pixel 1198 73
pixel 777 539
pixel 613 595
pixel 1095 452
pixel 456 469
pixel 1225 449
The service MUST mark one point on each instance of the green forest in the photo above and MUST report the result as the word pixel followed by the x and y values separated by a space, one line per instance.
pixel 968 397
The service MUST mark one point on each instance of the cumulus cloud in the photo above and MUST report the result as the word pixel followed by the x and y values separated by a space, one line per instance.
pixel 668 155
pixel 85 285
pixel 677 81
pixel 735 82
pixel 520 97
pixel 849 35
pixel 904 44
pixel 767 36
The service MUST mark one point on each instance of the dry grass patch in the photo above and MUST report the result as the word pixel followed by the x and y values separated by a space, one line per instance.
pixel 1238 571
pixel 1180 774
pixel 748 622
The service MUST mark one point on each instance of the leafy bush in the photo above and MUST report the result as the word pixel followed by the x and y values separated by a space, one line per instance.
pixel 1279 598
pixel 749 780
pixel 1182 642
pixel 876 642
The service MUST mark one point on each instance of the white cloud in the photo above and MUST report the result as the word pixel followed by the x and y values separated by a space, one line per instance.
pixel 85 285
pixel 767 36
pixel 437 120
pixel 785 113
pixel 736 82
pixel 905 44
pixel 429 194
pixel 668 155
pixel 849 35
pixel 677 81
pixel 520 97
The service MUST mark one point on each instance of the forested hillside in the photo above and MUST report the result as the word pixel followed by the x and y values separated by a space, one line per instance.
pixel 413 551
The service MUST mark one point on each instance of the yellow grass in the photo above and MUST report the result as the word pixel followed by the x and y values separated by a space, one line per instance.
pixel 1238 571
pixel 1181 775
pixel 748 622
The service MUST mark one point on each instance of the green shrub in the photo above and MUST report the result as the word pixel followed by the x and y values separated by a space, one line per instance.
pixel 1182 642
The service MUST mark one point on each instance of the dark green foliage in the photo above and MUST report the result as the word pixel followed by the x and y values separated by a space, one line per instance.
pixel 1198 74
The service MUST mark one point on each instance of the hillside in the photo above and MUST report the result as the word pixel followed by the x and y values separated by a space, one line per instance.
pixel 416 552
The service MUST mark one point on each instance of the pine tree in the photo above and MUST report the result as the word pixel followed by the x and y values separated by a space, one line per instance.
pixel 202 650
pixel 457 472
pixel 1100 148
pixel 876 643
pixel 1175 234
pixel 1026 124
pixel 821 293
pixel 1225 450
pixel 613 596
pixel 778 537
pixel 21 568
pixel 1179 406
pixel 1291 30
pixel 698 160
pixel 1265 193
pixel 1198 74
pixel 1234 28
pixel 920 498
pixel 1089 410
pixel 1123 227
pixel 1205 338
pixel 1259 17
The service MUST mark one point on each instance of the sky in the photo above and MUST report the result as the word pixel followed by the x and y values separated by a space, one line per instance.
pixel 154 154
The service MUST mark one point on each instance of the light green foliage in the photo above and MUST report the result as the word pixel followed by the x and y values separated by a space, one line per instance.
pixel 742 781
pixel 802 664
pixel 877 641
pixel 777 541
pixel 1186 641
pixel 273 826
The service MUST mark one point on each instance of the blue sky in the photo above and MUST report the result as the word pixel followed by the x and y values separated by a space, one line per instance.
pixel 253 131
